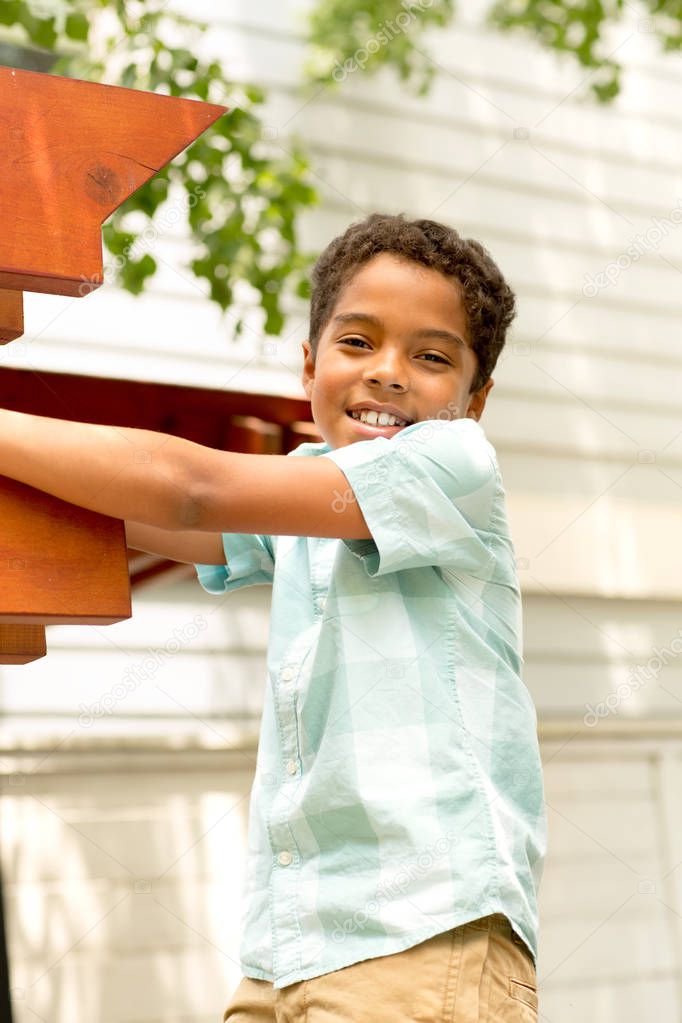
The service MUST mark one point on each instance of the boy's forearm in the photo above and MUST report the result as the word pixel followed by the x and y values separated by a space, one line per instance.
pixel 125 473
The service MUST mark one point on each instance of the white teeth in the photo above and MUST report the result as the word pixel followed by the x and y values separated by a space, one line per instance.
pixel 377 418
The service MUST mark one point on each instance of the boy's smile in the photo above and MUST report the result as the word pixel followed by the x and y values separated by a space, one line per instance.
pixel 396 344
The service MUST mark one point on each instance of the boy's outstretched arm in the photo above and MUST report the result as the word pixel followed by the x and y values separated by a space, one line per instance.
pixel 173 483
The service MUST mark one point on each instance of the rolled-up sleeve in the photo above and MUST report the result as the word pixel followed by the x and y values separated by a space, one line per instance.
pixel 427 496
pixel 250 562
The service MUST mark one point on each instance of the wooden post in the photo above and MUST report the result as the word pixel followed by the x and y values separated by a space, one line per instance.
pixel 11 316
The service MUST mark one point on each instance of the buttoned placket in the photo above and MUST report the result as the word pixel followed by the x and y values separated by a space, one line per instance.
pixel 285 920
pixel 288 727
pixel 286 936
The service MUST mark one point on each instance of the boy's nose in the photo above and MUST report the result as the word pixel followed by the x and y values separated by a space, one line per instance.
pixel 387 371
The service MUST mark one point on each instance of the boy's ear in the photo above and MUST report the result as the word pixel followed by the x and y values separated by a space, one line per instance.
pixel 478 399
pixel 308 367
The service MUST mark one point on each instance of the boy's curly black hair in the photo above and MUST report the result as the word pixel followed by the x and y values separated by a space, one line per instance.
pixel 489 302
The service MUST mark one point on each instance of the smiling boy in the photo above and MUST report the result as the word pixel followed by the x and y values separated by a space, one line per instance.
pixel 422 370
pixel 396 825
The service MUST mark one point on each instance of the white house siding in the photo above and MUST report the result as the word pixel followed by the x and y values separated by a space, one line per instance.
pixel 585 416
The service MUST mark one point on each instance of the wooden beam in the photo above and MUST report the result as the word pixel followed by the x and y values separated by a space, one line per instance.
pixel 74 151
pixel 200 414
pixel 20 644
pixel 64 566
pixel 254 436
pixel 11 316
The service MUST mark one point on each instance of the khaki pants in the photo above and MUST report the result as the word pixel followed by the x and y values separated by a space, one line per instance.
pixel 481 972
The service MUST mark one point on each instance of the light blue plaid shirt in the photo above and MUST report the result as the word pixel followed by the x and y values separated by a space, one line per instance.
pixel 398 789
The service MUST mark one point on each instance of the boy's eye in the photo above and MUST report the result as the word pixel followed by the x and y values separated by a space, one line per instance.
pixel 347 340
pixel 432 355
pixel 427 355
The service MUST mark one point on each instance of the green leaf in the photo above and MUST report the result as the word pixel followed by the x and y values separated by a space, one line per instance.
pixel 42 31
pixel 303 288
pixel 10 12
pixel 77 26
pixel 135 274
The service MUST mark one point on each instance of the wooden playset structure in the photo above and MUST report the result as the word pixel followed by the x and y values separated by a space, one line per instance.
pixel 74 152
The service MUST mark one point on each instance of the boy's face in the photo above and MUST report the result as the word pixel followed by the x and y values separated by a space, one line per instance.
pixel 390 359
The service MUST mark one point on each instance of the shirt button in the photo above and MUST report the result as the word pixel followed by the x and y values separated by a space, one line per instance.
pixel 285 858
pixel 292 767
pixel 288 674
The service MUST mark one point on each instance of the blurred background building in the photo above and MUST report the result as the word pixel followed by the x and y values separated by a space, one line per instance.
pixel 123 814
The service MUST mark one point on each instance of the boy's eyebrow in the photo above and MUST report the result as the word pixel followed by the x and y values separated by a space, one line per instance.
pixel 444 335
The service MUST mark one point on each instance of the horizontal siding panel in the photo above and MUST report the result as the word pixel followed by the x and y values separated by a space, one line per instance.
pixel 633 327
pixel 592 628
pixel 559 471
pixel 604 547
pixel 46 732
pixel 580 952
pixel 618 779
pixel 596 886
pixel 589 824
pixel 584 378
pixel 189 683
pixel 185 984
pixel 570 125
pixel 507 68
pixel 143 330
pixel 133 677
pixel 367 185
pixel 201 352
pixel 446 154
pixel 223 712
pixel 566 689
pixel 230 622
pixel 122 920
pixel 627 997
pixel 596 891
pixel 170 845
pixel 571 425
pixel 168 630
pixel 138 785
pixel 577 227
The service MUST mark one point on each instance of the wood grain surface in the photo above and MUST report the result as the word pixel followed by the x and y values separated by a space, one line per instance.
pixel 72 153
